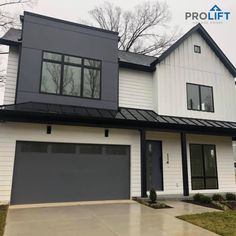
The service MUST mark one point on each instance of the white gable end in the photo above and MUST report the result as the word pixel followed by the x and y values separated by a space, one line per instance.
pixel 183 66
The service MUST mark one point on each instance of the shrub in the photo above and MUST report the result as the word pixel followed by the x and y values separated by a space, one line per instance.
pixel 197 197
pixel 230 197
pixel 205 199
pixel 201 198
pixel 217 197
pixel 153 195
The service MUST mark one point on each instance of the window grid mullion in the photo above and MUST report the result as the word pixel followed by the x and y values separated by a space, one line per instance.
pixel 200 97
pixel 82 79
pixel 62 75
pixel 203 164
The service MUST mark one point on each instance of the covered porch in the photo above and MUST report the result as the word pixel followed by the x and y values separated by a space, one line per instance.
pixel 194 155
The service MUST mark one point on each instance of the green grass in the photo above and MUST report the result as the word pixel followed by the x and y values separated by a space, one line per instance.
pixel 222 223
pixel 3 215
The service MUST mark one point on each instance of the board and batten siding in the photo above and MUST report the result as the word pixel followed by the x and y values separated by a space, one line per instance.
pixel 224 161
pixel 12 132
pixel 12 67
pixel 135 89
pixel 184 66
pixel 172 162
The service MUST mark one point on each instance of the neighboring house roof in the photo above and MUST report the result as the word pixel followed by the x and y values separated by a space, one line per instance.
pixel 144 62
pixel 125 117
pixel 12 37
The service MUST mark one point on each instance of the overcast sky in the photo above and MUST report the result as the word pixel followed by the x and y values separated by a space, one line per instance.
pixel 224 34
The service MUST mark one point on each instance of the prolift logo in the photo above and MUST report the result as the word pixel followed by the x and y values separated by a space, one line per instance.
pixel 214 14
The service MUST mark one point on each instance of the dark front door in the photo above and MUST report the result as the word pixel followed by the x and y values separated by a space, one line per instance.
pixel 154 172
pixel 59 172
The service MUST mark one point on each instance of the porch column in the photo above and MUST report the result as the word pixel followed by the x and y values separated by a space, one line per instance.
pixel 143 163
pixel 184 164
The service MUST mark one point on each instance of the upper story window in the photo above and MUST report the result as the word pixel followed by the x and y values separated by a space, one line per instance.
pixel 70 76
pixel 200 97
pixel 197 49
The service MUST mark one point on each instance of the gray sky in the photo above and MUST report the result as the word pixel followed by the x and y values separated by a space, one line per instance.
pixel 224 34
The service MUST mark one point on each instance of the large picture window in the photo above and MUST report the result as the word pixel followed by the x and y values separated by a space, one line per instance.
pixel 203 166
pixel 70 76
pixel 200 97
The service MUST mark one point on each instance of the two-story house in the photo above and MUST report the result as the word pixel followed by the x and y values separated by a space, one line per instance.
pixel 83 121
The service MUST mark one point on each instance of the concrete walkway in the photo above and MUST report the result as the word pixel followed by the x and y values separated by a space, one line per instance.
pixel 104 219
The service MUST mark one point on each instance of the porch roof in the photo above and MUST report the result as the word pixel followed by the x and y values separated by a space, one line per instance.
pixel 123 117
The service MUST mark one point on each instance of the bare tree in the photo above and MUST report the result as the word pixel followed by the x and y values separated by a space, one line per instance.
pixel 10 18
pixel 141 30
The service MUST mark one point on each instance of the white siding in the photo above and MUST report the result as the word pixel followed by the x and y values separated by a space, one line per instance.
pixel 224 158
pixel 135 89
pixel 1 93
pixel 11 132
pixel 183 66
pixel 172 171
pixel 10 87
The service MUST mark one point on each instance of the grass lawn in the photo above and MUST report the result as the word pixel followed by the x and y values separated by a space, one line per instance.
pixel 3 214
pixel 222 223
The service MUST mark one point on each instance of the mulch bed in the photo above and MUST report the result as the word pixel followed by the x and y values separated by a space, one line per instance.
pixel 210 205
pixel 147 202
pixel 224 205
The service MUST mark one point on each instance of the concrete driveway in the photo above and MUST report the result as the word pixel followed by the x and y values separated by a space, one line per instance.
pixel 128 218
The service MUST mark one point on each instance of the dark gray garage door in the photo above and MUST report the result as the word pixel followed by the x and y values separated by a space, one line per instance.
pixel 56 172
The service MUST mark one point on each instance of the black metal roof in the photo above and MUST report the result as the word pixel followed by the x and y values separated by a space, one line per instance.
pixel 12 37
pixel 135 60
pixel 123 117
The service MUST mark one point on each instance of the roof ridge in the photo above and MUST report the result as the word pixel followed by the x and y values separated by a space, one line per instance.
pixel 136 53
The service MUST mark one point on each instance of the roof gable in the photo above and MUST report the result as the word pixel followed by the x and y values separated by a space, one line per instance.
pixel 199 29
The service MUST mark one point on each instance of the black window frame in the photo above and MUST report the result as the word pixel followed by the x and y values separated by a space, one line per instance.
pixel 204 177
pixel 200 97
pixel 63 63
pixel 197 49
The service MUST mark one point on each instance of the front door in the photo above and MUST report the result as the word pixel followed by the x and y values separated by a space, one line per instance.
pixel 154 171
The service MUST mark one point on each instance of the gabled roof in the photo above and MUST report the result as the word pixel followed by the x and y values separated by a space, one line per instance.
pixel 123 117
pixel 200 29
pixel 12 37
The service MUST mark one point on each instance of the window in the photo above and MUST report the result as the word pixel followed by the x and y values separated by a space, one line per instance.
pixel 90 149
pixel 70 76
pixel 116 150
pixel 34 147
pixel 63 148
pixel 197 49
pixel 200 98
pixel 203 166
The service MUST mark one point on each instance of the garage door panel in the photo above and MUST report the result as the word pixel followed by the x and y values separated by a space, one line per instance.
pixel 62 177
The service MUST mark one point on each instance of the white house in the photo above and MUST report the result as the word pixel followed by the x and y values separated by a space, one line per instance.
pixel 84 121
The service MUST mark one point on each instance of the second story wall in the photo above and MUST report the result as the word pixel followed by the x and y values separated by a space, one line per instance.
pixel 184 66
pixel 135 89
pixel 11 79
pixel 42 34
